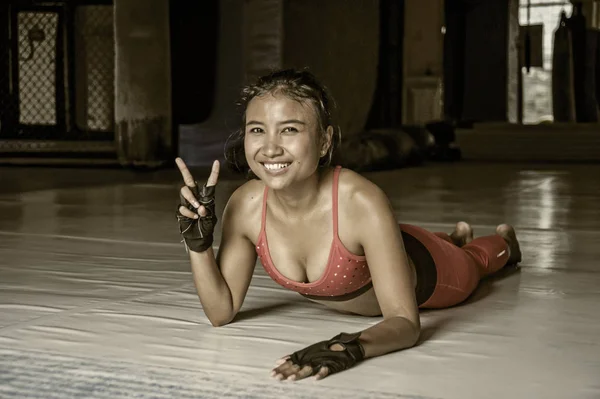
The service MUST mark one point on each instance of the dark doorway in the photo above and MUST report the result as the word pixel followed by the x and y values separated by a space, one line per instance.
pixel 194 39
pixel 454 59
pixel 386 110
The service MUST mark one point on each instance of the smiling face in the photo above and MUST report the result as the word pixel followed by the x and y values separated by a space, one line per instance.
pixel 283 140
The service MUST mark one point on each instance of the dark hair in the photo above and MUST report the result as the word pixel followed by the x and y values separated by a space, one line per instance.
pixel 297 85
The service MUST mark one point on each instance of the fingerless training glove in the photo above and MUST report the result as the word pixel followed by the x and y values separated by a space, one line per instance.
pixel 198 233
pixel 319 355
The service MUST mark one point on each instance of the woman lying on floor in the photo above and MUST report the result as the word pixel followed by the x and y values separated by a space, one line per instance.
pixel 325 232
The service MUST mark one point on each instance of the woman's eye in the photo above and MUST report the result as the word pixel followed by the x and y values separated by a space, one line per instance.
pixel 290 129
pixel 255 130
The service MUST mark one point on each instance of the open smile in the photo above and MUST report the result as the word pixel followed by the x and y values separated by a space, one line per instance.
pixel 276 168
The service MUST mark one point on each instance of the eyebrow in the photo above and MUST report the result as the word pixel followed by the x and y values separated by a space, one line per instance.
pixel 295 121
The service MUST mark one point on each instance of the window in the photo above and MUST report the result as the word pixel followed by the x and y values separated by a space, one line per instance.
pixel 537 83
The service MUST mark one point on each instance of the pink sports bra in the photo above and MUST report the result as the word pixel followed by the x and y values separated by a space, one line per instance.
pixel 345 272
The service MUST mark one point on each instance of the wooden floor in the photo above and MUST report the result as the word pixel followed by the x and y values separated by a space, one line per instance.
pixel 96 298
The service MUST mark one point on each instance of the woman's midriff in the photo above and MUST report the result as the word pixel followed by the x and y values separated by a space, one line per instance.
pixel 365 304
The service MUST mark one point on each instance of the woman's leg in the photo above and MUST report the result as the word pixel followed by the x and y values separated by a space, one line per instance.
pixel 460 269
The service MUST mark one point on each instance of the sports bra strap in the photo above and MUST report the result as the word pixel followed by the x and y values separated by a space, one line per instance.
pixel 336 177
pixel 264 210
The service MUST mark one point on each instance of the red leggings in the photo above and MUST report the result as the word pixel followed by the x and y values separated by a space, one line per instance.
pixel 459 269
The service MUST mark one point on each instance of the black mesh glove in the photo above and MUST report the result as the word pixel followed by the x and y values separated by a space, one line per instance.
pixel 198 233
pixel 319 355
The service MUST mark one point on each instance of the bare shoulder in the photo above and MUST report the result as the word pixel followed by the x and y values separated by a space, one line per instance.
pixel 363 210
pixel 244 208
pixel 247 196
pixel 360 194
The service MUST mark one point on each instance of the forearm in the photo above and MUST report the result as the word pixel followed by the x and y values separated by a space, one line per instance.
pixel 389 335
pixel 211 287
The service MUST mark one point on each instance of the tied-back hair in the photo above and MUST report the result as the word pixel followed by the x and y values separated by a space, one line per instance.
pixel 301 86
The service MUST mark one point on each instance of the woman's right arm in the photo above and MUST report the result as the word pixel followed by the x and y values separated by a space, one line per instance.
pixel 222 282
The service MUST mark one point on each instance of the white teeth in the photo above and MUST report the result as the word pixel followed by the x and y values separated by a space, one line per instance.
pixel 276 166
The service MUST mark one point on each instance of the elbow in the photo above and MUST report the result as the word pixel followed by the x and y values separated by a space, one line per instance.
pixel 220 321
pixel 218 316
pixel 415 336
pixel 410 330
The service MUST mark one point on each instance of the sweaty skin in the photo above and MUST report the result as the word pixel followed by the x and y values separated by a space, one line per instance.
pixel 300 244
pixel 299 220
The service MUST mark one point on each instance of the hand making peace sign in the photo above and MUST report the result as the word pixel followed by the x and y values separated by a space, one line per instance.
pixel 196 211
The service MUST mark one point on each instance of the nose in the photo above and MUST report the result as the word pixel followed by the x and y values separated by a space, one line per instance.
pixel 271 147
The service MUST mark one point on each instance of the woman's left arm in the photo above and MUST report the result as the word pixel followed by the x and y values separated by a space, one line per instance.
pixel 392 276
pixel 394 286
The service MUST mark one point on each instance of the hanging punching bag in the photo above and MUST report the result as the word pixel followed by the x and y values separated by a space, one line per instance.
pixel 590 103
pixel 597 72
pixel 563 100
pixel 577 26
